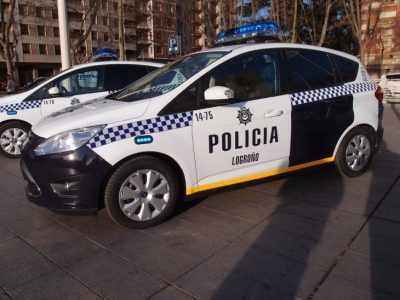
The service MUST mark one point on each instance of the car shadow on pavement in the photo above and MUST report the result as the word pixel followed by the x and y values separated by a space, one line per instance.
pixel 340 238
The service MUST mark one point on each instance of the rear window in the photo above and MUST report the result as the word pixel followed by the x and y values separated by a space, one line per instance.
pixel 347 68
pixel 393 77
pixel 309 70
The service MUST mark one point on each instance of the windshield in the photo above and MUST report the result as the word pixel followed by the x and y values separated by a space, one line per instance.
pixel 168 77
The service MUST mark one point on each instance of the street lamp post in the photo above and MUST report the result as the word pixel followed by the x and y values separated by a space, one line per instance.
pixel 64 34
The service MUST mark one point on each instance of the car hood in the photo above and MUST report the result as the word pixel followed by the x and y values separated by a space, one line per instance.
pixel 92 113
pixel 12 99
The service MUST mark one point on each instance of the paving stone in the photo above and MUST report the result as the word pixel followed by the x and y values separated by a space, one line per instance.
pixel 154 255
pixel 189 237
pixel 320 232
pixel 396 189
pixel 369 272
pixel 388 212
pixel 392 200
pixel 23 219
pixel 383 228
pixel 339 288
pixel 218 222
pixel 3 295
pixel 248 204
pixel 377 248
pixel 114 278
pixel 20 264
pixel 246 272
pixel 61 244
pixel 171 293
pixel 55 285
pixel 12 186
pixel 7 203
pixel 322 213
pixel 5 234
pixel 99 228
pixel 292 246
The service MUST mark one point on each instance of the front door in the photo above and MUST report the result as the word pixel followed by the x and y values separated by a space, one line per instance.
pixel 250 137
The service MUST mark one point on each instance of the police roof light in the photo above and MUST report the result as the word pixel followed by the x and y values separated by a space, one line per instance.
pixel 257 32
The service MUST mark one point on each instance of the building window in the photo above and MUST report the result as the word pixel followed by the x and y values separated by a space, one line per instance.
pixel 42 49
pixel 57 50
pixel 106 37
pixel 159 50
pixel 23 10
pixel 105 21
pixel 94 36
pixel 24 29
pixel 41 31
pixel 54 13
pixel 56 32
pixel 26 48
pixel 39 12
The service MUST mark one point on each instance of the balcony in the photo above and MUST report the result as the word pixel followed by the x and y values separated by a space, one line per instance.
pixel 143 26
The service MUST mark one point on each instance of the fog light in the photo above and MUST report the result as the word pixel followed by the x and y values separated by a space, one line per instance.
pixel 68 187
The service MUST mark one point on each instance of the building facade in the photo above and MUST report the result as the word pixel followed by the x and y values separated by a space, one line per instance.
pixel 147 25
pixel 382 42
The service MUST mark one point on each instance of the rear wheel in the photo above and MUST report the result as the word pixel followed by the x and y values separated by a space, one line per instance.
pixel 13 136
pixel 142 192
pixel 355 152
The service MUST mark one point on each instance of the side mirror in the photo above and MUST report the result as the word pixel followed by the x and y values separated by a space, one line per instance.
pixel 217 95
pixel 54 91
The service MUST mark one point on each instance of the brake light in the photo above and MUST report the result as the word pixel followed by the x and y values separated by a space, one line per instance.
pixel 379 94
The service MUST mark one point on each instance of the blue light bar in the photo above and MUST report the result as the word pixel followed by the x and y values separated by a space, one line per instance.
pixel 258 32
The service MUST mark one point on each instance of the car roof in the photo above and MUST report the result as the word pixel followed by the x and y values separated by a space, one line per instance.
pixel 107 63
pixel 256 46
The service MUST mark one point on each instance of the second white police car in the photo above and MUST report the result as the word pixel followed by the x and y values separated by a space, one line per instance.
pixel 210 120
pixel 75 85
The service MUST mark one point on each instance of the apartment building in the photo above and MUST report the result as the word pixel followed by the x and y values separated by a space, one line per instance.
pixel 382 44
pixel 147 26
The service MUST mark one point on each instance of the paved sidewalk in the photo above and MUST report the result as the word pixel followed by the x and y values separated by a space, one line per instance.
pixel 313 235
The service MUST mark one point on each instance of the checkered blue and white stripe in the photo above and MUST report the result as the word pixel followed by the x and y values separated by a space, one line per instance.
pixel 130 130
pixel 331 92
pixel 21 106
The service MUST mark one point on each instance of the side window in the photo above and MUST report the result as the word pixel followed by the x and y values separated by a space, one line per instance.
pixel 309 70
pixel 348 69
pixel 119 76
pixel 39 94
pixel 251 76
pixel 84 81
pixel 186 101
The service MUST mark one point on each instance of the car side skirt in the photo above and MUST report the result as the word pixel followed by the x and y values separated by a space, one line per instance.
pixel 234 181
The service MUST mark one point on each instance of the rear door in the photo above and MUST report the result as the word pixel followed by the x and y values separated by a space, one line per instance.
pixel 75 87
pixel 320 114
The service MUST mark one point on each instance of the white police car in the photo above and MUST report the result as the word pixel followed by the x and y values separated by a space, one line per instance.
pixel 78 84
pixel 210 120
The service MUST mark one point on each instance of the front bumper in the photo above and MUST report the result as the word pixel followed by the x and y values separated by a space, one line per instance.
pixel 69 182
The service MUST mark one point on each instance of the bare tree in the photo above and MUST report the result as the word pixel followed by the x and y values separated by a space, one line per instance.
pixel 6 46
pixel 121 30
pixel 353 12
pixel 90 9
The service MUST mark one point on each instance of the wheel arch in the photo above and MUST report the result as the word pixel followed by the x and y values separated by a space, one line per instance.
pixel 15 120
pixel 368 127
pixel 166 158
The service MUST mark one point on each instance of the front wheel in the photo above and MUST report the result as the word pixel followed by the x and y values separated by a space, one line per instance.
pixel 142 192
pixel 355 153
pixel 13 136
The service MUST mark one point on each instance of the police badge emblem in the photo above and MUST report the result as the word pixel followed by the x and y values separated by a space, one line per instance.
pixel 244 115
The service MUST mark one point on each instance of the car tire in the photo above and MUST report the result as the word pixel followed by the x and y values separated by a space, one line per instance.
pixel 355 152
pixel 130 194
pixel 12 139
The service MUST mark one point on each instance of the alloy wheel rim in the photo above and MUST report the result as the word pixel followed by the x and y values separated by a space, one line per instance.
pixel 144 195
pixel 358 152
pixel 12 140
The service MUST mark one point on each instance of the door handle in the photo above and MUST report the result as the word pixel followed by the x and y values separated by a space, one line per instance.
pixel 274 113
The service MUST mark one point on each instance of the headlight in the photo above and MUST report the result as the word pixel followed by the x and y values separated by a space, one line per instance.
pixel 67 141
